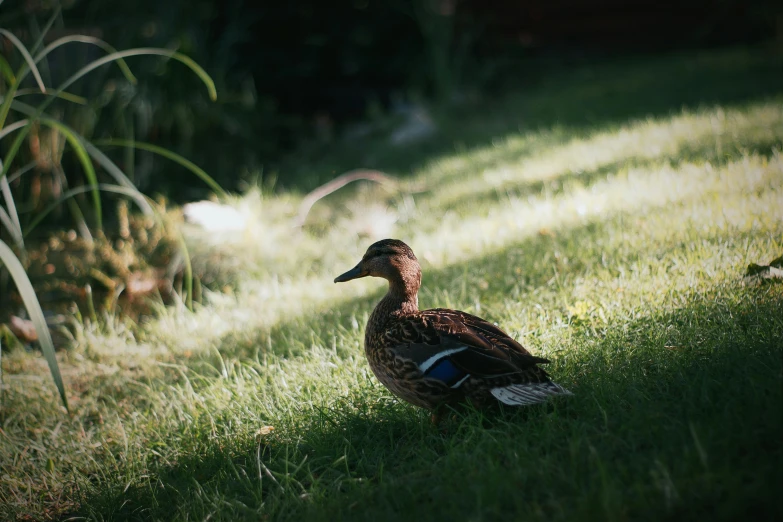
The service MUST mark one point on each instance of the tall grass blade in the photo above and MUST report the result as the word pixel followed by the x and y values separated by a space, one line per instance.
pixel 188 276
pixel 39 36
pixel 93 151
pixel 20 172
pixel 46 28
pixel 131 192
pixel 108 164
pixel 84 159
pixel 16 145
pixel 80 38
pixel 11 128
pixel 67 96
pixel 143 51
pixel 27 58
pixel 8 223
pixel 6 71
pixel 12 215
pixel 195 169
pixel 22 283
pixel 76 212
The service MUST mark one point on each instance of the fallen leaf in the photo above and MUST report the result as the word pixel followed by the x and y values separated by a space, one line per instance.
pixel 263 432
pixel 266 430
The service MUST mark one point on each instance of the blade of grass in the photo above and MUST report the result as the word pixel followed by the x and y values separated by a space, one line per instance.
pixel 195 169
pixel 188 277
pixel 33 307
pixel 132 193
pixel 84 158
pixel 80 38
pixel 11 222
pixel 27 58
pixel 5 69
pixel 73 206
pixel 20 172
pixel 16 145
pixel 63 95
pixel 46 28
pixel 6 221
pixel 109 165
pixel 39 35
pixel 8 130
pixel 144 51
pixel 92 150
pixel 16 230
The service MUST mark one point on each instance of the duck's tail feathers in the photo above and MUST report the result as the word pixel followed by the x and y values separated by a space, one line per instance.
pixel 529 393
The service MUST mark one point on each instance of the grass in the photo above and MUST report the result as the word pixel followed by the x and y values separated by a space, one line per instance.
pixel 616 250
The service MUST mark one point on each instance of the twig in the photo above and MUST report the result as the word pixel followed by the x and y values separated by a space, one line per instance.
pixel 336 184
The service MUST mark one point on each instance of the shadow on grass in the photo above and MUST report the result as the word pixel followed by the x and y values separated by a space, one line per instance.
pixel 676 416
pixel 586 99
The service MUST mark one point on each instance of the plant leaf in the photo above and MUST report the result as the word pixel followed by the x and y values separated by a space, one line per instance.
pixel 92 150
pixel 80 38
pixel 143 51
pixel 16 145
pixel 108 164
pixel 195 169
pixel 131 192
pixel 27 58
pixel 5 69
pixel 16 229
pixel 22 283
pixel 8 130
pixel 6 221
pixel 84 159
pixel 20 172
pixel 46 28
pixel 63 96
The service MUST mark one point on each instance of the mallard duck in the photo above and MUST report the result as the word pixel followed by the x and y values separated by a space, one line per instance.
pixel 439 357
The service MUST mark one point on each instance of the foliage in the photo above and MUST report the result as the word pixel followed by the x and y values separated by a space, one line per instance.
pixel 15 268
pixel 27 120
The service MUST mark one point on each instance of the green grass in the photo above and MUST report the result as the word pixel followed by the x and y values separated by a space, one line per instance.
pixel 616 250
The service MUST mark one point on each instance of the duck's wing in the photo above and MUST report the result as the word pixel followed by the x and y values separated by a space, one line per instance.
pixel 451 346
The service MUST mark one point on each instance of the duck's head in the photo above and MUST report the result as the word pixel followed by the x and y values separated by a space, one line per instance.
pixel 390 259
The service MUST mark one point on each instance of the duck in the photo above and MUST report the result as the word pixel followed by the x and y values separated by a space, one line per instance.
pixel 440 358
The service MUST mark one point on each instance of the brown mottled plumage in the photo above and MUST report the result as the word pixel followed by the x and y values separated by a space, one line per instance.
pixel 432 358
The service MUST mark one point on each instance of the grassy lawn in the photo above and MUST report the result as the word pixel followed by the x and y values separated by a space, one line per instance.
pixel 606 230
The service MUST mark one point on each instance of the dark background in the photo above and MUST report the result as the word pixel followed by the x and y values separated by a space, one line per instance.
pixel 293 74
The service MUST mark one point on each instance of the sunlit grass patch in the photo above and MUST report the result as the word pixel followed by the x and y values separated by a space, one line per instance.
pixel 617 253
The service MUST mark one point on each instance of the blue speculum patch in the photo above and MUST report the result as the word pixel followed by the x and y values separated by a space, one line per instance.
pixel 444 370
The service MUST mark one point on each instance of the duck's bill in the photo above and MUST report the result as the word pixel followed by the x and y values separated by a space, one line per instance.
pixel 354 273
